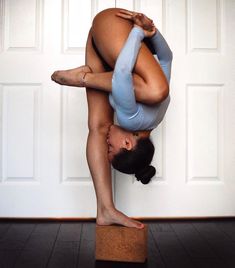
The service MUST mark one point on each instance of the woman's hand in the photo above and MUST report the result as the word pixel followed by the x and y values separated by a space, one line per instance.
pixel 139 20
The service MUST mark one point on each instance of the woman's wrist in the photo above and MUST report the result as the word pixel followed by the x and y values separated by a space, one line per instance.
pixel 155 32
pixel 139 30
pixel 146 33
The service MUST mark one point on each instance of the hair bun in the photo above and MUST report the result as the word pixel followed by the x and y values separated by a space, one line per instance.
pixel 145 174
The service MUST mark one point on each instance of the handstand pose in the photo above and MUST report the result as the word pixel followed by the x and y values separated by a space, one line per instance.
pixel 148 85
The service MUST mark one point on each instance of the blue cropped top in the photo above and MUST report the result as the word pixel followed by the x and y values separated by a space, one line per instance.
pixel 130 114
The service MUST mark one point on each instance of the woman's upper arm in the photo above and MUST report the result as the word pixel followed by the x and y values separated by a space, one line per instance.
pixel 123 92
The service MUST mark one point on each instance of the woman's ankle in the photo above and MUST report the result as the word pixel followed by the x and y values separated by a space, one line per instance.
pixel 101 208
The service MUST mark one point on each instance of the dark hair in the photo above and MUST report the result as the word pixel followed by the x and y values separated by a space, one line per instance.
pixel 137 160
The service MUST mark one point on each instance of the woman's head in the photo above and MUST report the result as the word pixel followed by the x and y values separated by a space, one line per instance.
pixel 131 152
pixel 118 139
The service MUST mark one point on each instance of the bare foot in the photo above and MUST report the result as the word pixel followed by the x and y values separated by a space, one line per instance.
pixel 73 77
pixel 114 216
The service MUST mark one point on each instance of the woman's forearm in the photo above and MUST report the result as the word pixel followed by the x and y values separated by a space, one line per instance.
pixel 163 52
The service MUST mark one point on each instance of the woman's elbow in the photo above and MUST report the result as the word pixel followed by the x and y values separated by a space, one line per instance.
pixel 164 94
pixel 160 94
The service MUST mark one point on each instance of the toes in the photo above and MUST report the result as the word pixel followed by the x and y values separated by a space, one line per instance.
pixel 54 75
pixel 139 224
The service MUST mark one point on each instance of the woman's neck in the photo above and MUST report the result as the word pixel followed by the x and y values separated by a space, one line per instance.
pixel 144 133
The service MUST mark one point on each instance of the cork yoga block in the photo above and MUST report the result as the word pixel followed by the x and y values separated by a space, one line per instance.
pixel 120 243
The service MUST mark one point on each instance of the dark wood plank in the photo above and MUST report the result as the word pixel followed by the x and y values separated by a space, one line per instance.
pixel 163 226
pixel 171 250
pixel 230 263
pixel 8 258
pixel 16 236
pixel 86 257
pixel 228 227
pixel 70 232
pixel 65 255
pixel 154 257
pixel 209 263
pixel 210 231
pixel 3 228
pixel 66 249
pixel 222 244
pixel 194 244
pixel 38 249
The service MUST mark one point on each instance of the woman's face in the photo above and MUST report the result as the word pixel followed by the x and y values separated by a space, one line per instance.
pixel 118 138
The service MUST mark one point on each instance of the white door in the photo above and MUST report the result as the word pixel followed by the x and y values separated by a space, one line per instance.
pixel 195 145
pixel 44 126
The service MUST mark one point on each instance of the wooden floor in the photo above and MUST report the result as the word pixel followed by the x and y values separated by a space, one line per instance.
pixel 31 244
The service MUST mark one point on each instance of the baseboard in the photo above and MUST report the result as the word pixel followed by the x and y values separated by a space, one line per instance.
pixel 46 219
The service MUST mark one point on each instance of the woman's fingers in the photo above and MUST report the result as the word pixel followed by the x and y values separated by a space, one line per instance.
pixel 147 23
pixel 127 12
pixel 124 16
pixel 138 19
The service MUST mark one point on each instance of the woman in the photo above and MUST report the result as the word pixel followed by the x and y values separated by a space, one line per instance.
pixel 130 149
pixel 151 87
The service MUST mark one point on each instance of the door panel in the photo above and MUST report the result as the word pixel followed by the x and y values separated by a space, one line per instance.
pixel 194 162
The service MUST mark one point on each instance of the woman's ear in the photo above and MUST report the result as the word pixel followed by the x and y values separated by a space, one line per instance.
pixel 127 144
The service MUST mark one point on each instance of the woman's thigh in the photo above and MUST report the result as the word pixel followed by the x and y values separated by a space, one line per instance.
pixel 100 113
pixel 110 33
